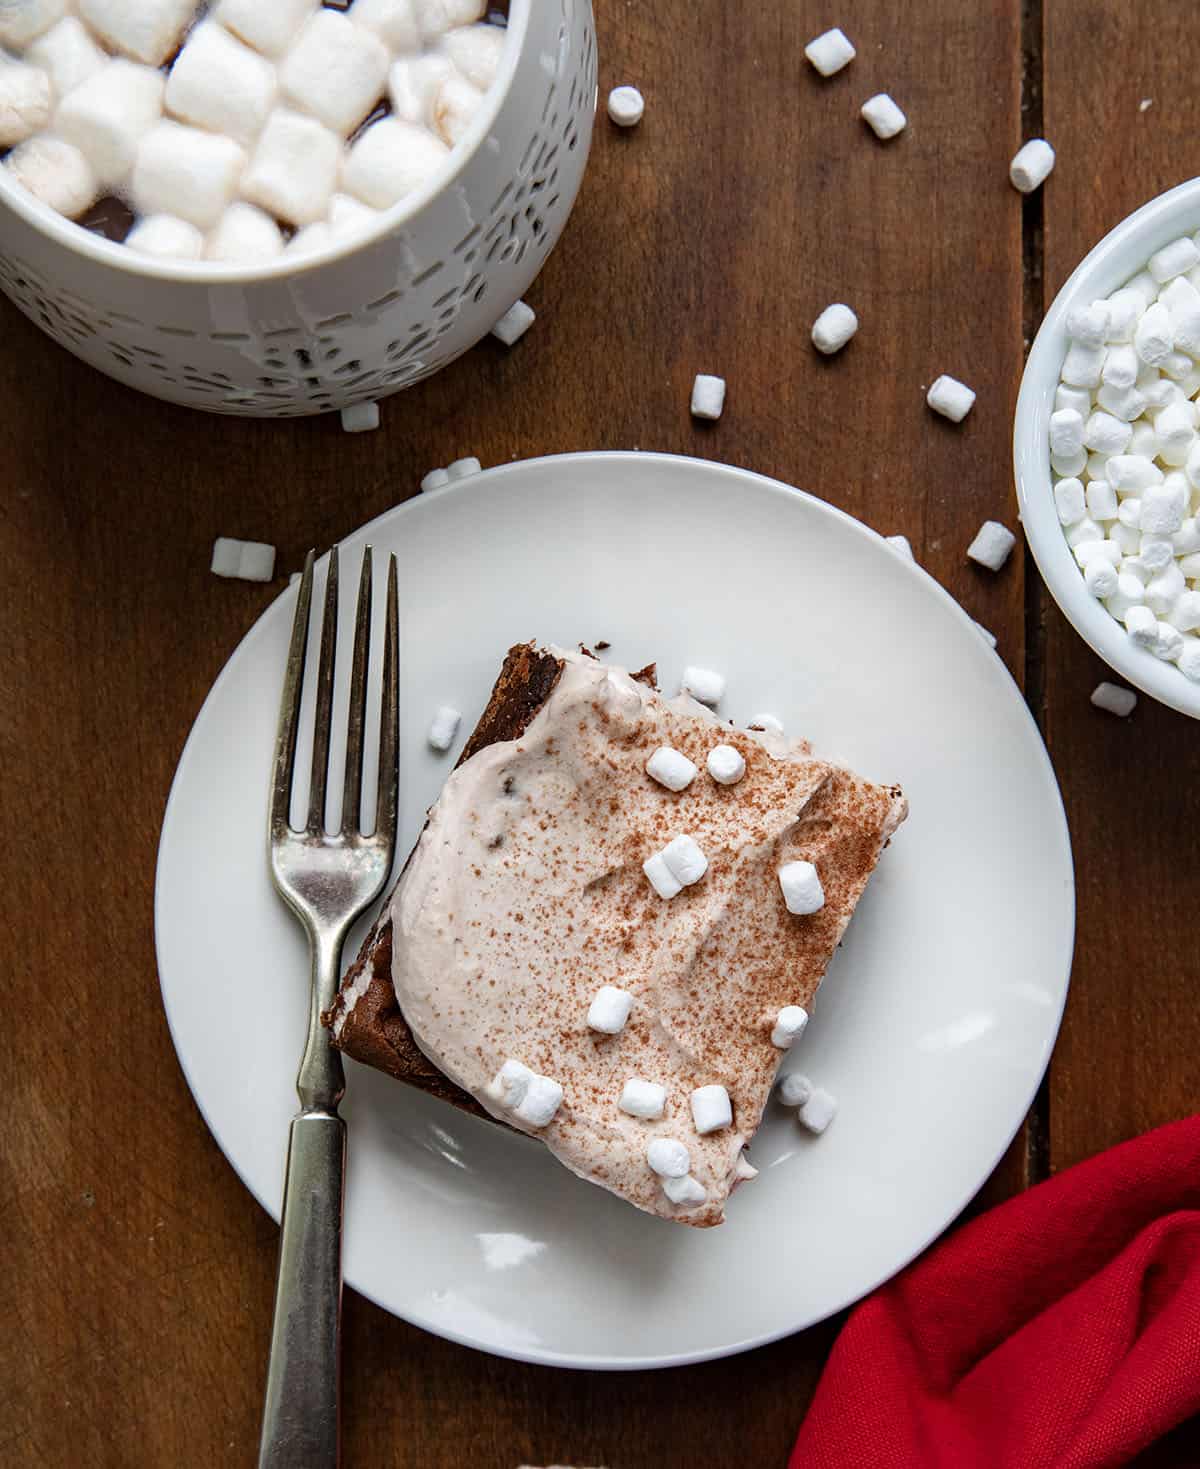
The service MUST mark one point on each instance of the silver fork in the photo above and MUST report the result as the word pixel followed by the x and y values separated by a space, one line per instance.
pixel 327 879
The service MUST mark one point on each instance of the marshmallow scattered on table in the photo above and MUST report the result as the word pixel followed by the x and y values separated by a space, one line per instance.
pixel 711 1109
pixel 390 160
pixel 335 70
pixel 708 396
pixel 834 328
pixel 107 116
pixel 726 765
pixel 883 117
pixel 219 84
pixel 166 236
pixel 25 101
pixel 952 399
pixel 147 30
pixel 246 560
pixel 670 768
pixel 704 685
pixel 515 322
pixel 641 1098
pixel 609 1010
pixel 789 1026
pixel 1114 700
pixel 818 1111
pixel 992 545
pixel 668 1157
pixel 626 106
pixel 293 168
pixel 795 1089
pixel 244 234
pixel 187 172
pixel 360 418
pixel 830 51
pixel 67 54
pixel 1031 166
pixel 22 20
pixel 684 1191
pixel 443 727
pixel 800 884
pixel 55 172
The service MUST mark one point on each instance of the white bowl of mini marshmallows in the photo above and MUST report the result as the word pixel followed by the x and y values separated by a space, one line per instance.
pixel 1115 353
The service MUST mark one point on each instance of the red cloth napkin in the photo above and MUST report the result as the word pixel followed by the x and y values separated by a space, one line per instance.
pixel 1061 1329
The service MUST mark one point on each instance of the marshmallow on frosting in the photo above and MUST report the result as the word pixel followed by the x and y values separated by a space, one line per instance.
pixel 609 1010
pixel 711 1109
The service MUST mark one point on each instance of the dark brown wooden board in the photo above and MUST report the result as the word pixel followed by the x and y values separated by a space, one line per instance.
pixel 752 195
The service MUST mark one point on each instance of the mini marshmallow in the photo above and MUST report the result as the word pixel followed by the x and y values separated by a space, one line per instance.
pixel 711 1109
pixel 444 727
pixel 147 30
pixel 1182 301
pixel 1144 441
pixel 626 106
pixel 1131 474
pixel 671 769
pixel 1130 593
pixel 107 116
pixel 1089 324
pixel 293 168
pixel 992 544
pixel 645 1099
pixel 1084 530
pixel 1135 567
pixel 464 468
pixel 1099 551
pixel 661 878
pixel 1100 578
pixel 1190 566
pixel 184 171
pixel 1155 552
pixel 1114 700
pixel 1123 403
pixel 1145 286
pixel 1126 538
pixel 246 560
pixel 1078 399
pixel 1185 611
pixel 705 686
pixel 708 396
pixel 394 22
pixel 669 1158
pixel 1186 540
pixel 22 20
pixel 67 54
pixel 1178 366
pixel 167 237
pixel 950 398
pixel 1188 661
pixel 1066 432
pixel 360 418
pixel 25 101
pixel 453 107
pixel 336 70
pixel 413 83
pixel 1175 428
pixel 1082 366
pixel 219 84
pixel 1154 336
pixel 1142 626
pixel 348 215
pixel 830 51
pixel 1124 308
pixel 1069 501
pixel 515 322
pixel 684 1191
pixel 1173 259
pixel 1160 394
pixel 819 1111
pixel 795 1090
pixel 801 886
pixel 609 1010
pixel 685 861
pixel 726 765
pixel 1070 467
pixel 244 234
pixel 390 160
pixel 1121 366
pixel 271 28
pixel 542 1099
pixel 901 544
pixel 834 328
pixel 1095 465
pixel 1169 643
pixel 1102 500
pixel 883 117
pixel 436 479
pixel 789 1026
pixel 55 172
pixel 1191 468
pixel 1106 434
pixel 1163 507
pixel 1031 166
pixel 509 1085
pixel 1163 588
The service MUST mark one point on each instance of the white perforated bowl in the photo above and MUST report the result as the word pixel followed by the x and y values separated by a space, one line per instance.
pixel 1118 256
pixel 377 313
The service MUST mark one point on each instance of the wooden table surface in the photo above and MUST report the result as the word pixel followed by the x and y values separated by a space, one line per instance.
pixel 139 1271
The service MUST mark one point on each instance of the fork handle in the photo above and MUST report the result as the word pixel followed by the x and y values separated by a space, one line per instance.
pixel 302 1419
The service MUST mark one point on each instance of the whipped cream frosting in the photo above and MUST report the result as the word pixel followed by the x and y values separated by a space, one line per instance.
pixel 526 894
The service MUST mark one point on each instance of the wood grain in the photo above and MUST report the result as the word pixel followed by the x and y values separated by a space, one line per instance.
pixel 705 241
pixel 1126 1057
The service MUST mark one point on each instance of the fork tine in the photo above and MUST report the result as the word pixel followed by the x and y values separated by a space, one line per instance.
pixel 289 705
pixel 320 754
pixel 351 791
pixel 389 729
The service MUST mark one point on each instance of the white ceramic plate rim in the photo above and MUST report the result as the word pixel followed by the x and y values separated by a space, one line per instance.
pixel 583 1361
pixel 1118 256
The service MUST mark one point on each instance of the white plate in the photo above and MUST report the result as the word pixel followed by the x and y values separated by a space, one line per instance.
pixel 934 1026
